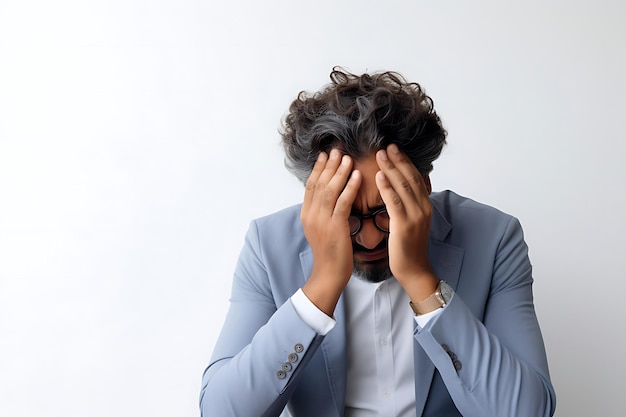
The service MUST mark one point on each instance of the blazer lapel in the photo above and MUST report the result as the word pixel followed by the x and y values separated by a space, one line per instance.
pixel 446 260
pixel 334 350
pixel 333 346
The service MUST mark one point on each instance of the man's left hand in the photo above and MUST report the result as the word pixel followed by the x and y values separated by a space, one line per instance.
pixel 405 193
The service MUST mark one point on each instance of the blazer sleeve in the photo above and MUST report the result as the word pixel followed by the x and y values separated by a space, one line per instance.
pixel 496 367
pixel 261 349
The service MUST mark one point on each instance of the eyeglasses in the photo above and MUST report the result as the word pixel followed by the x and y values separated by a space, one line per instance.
pixel 380 218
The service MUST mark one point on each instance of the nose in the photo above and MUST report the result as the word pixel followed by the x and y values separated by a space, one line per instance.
pixel 369 236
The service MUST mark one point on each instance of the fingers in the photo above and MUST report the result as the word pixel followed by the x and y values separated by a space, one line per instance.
pixel 312 180
pixel 393 201
pixel 328 184
pixel 343 208
pixel 401 172
pixel 403 176
pixel 402 187
pixel 333 180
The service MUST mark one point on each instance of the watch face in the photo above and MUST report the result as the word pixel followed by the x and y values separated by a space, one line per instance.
pixel 446 291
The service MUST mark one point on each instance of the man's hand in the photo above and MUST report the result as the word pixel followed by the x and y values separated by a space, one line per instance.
pixel 405 193
pixel 330 192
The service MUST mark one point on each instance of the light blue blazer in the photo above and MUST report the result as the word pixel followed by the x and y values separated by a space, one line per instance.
pixel 267 358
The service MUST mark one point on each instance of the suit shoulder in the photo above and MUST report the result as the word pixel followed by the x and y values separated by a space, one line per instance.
pixel 287 217
pixel 455 208
pixel 281 229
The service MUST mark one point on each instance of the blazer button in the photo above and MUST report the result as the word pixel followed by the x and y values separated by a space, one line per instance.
pixel 457 365
pixel 286 367
pixel 298 348
pixel 281 374
pixel 293 358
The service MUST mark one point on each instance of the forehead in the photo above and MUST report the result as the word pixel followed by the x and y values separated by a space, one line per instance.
pixel 368 196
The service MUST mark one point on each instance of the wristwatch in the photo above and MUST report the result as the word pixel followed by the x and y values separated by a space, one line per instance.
pixel 439 299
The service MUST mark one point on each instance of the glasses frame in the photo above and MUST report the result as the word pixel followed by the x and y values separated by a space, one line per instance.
pixel 372 216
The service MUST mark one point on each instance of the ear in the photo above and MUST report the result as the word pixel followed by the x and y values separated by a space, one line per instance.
pixel 427 183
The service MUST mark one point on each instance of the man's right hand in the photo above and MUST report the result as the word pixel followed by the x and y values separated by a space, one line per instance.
pixel 324 215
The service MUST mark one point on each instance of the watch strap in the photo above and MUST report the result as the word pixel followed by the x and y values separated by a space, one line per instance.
pixel 431 303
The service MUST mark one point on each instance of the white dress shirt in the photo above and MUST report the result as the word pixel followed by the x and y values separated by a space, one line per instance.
pixel 381 376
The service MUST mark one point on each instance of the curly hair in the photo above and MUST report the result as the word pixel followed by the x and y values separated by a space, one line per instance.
pixel 360 115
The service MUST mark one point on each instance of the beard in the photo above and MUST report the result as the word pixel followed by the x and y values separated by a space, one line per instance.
pixel 374 271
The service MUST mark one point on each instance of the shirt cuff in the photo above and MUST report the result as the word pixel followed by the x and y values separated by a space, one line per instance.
pixel 312 315
pixel 423 319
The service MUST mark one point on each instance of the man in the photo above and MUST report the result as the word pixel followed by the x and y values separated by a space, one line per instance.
pixel 376 297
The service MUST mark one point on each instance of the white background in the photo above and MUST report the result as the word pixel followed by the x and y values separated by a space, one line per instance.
pixel 139 138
